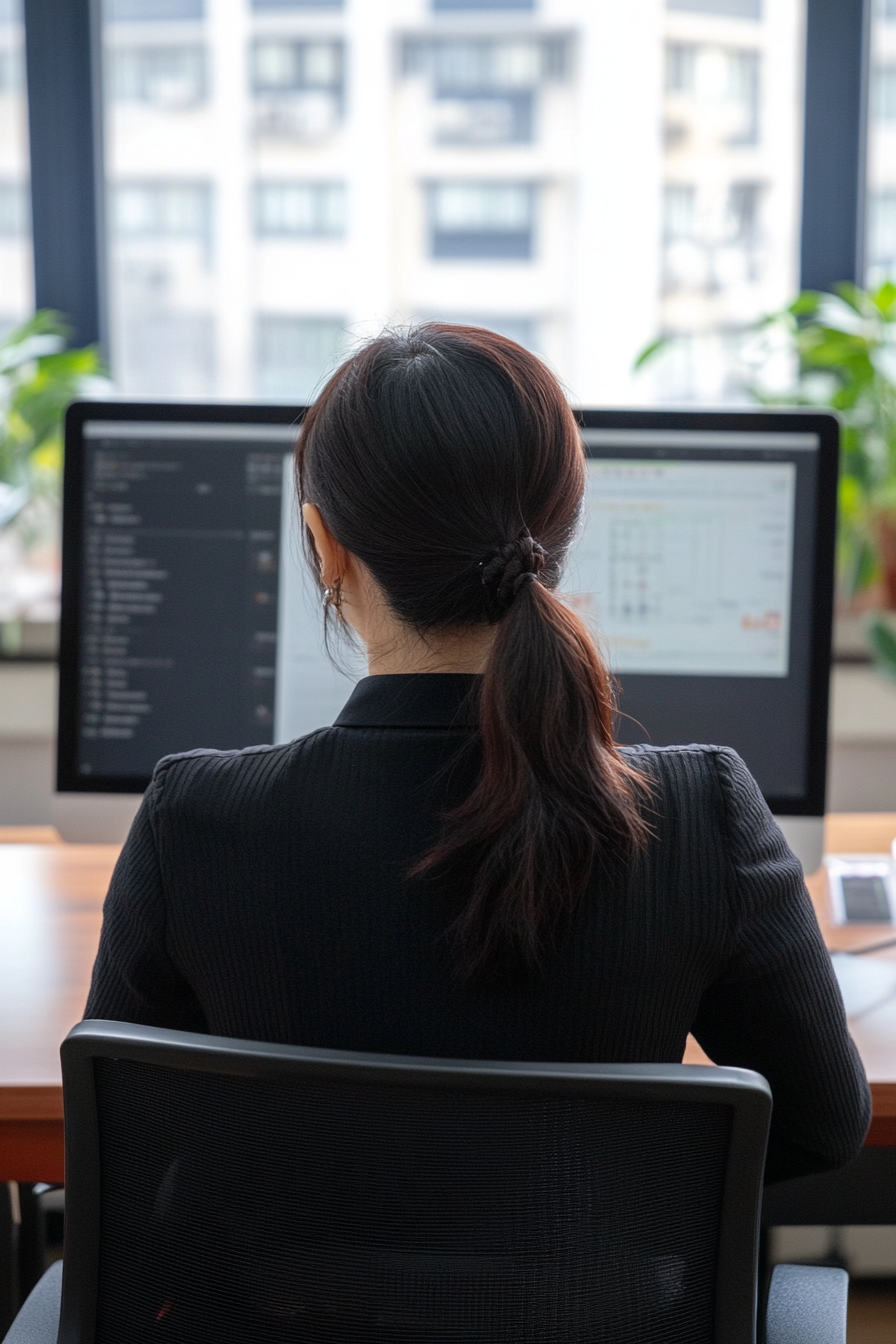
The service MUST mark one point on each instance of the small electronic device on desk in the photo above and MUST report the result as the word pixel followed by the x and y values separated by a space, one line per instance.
pixel 862 888
pixel 862 891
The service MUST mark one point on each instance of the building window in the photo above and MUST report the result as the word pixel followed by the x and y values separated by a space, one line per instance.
pixel 281 65
pixel 484 89
pixel 162 210
pixel 743 69
pixel 883 93
pixel 881 236
pixel 294 354
pixel 300 6
pixel 145 11
pixel 744 201
pixel 15 215
pixel 11 71
pixel 300 209
pixel 479 64
pixel 735 9
pixel 681 67
pixel 164 76
pixel 481 119
pixel 684 258
pixel 299 88
pixel 479 221
pixel 166 353
pixel 679 211
pixel 442 5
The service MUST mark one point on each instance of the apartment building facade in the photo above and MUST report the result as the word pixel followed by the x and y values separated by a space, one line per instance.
pixel 287 176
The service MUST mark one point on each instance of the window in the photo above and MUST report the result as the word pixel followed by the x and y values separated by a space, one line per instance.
pixel 161 245
pixel 148 11
pixel 285 6
pixel 29 552
pixel 280 66
pixel 483 90
pixel 500 162
pixel 702 254
pixel 679 211
pixel 479 64
pixel 477 119
pixel 482 4
pixel 478 221
pixel 299 209
pixel 881 235
pixel 684 259
pixel 294 354
pixel 15 211
pixel 883 93
pixel 162 210
pixel 681 67
pixel 880 214
pixel 298 88
pixel 173 77
pixel 743 69
pixel 743 210
pixel 735 9
pixel 12 73
pixel 163 352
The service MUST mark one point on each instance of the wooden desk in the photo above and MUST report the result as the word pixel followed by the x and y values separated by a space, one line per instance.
pixel 51 899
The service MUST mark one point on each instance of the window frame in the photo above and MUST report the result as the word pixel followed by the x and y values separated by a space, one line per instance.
pixel 64 82
pixel 62 46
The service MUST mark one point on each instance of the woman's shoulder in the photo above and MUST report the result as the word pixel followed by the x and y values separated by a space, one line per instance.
pixel 698 774
pixel 228 780
pixel 708 788
pixel 689 760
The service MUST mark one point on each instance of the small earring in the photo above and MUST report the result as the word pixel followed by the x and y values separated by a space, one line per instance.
pixel 333 596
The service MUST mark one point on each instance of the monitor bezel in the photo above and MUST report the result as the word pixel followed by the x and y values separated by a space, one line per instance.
pixel 221 412
pixel 822 423
pixel 827 427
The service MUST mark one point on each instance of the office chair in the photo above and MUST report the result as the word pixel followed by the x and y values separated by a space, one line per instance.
pixel 223 1190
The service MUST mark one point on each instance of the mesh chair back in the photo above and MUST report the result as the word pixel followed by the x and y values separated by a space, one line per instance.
pixel 253 1193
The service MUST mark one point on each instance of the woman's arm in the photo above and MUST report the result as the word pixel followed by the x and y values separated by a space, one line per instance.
pixel 134 978
pixel 777 1007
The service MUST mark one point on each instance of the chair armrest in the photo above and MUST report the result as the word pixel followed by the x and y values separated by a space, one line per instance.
pixel 38 1320
pixel 806 1305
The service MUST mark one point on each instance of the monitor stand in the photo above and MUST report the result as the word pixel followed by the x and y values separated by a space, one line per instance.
pixel 94 818
pixel 805 836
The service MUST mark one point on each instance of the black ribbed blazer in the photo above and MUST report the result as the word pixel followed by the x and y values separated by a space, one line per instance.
pixel 261 894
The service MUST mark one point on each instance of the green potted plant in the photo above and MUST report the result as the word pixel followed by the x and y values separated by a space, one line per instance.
pixel 842 355
pixel 38 378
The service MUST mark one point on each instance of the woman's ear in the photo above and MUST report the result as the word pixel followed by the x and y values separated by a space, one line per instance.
pixel 331 556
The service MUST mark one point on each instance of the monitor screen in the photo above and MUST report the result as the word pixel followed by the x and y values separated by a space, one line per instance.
pixel 698 566
pixel 189 619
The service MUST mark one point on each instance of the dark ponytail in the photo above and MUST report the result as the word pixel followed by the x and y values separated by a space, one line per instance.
pixel 446 459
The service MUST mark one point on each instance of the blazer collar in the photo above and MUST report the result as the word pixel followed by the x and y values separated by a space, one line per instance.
pixel 412 700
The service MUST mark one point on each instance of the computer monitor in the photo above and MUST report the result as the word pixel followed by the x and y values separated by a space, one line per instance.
pixel 704 561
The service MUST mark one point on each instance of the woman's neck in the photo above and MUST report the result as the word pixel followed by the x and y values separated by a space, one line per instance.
pixel 402 649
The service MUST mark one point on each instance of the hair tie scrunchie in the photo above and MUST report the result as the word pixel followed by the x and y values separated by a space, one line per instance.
pixel 509 568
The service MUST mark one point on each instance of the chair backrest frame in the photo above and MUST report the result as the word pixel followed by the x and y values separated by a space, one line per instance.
pixel 747 1095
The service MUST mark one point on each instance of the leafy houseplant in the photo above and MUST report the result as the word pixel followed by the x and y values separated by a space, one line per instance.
pixel 845 345
pixel 842 349
pixel 38 378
